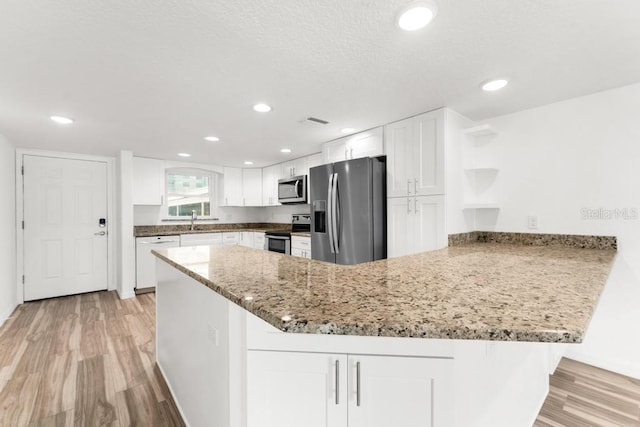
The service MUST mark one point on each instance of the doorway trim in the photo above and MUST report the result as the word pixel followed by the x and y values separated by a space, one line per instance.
pixel 113 223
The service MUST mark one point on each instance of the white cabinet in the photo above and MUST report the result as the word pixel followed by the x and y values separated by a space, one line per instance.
pixel 296 389
pixel 399 391
pixel 230 238
pixel 270 177
pixel 295 167
pixel 242 187
pixel 148 181
pixel 415 155
pixel 258 240
pixel 246 239
pixel 201 239
pixel 364 144
pixel 316 389
pixel 233 187
pixel 252 187
pixel 415 224
pixel 301 246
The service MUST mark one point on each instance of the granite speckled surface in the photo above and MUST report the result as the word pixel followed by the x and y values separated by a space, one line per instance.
pixel 483 291
pixel 535 239
pixel 174 229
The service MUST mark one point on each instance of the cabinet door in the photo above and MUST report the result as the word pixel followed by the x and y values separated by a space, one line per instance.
pixel 428 226
pixel 230 238
pixel 148 181
pixel 252 187
pixel 296 389
pixel 232 187
pixel 301 166
pixel 400 238
pixel 429 156
pixel 246 239
pixel 335 151
pixel 258 240
pixel 366 144
pixel 400 158
pixel 399 391
pixel 270 176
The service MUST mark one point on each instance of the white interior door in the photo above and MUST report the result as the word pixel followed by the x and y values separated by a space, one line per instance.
pixel 65 248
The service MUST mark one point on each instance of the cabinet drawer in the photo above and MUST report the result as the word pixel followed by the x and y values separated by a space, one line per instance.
pixel 300 242
pixel 230 238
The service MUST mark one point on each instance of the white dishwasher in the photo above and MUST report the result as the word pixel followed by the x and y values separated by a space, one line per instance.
pixel 146 261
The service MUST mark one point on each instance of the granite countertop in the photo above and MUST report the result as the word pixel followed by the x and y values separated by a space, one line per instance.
pixel 483 291
pixel 176 229
pixel 301 233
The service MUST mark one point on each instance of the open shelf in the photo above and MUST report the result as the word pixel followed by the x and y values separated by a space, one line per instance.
pixel 481 130
pixel 481 206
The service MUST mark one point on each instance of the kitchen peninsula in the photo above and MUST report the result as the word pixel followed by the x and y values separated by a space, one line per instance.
pixel 461 336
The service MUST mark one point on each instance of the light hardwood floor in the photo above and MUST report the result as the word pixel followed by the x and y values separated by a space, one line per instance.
pixel 83 360
pixel 582 395
pixel 88 360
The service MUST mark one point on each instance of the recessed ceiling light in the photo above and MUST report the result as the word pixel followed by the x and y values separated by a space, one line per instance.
pixel 247 162
pixel 492 85
pixel 347 130
pixel 285 150
pixel 211 138
pixel 184 154
pixel 417 15
pixel 61 120
pixel 262 108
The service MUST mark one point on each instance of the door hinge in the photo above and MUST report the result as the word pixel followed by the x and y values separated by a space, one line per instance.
pixel 23 224
pixel 23 279
pixel 22 170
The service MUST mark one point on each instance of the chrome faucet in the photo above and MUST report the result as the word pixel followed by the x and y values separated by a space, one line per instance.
pixel 194 216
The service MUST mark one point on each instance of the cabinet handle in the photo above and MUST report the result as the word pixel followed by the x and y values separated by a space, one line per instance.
pixel 357 383
pixel 226 200
pixel 337 382
pixel 346 156
pixel 162 200
pixel 415 208
pixel 415 186
pixel 351 153
pixel 408 206
pixel 408 187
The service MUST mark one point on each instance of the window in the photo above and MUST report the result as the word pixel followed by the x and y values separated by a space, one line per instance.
pixel 189 190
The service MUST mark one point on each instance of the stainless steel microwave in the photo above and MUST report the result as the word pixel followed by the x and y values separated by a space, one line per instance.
pixel 292 190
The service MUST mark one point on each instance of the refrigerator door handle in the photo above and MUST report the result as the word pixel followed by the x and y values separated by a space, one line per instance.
pixel 335 214
pixel 329 213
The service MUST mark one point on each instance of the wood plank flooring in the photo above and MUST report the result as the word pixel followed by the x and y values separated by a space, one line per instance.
pixel 89 360
pixel 83 360
pixel 582 395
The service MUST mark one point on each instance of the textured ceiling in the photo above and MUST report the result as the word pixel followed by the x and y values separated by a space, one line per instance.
pixel 156 76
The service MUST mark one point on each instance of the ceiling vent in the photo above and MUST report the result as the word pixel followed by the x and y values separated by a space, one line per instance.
pixel 314 121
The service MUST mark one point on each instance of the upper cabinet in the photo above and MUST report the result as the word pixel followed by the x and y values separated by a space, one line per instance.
pixel 295 167
pixel 270 177
pixel 148 181
pixel 415 155
pixel 242 187
pixel 252 187
pixel 364 144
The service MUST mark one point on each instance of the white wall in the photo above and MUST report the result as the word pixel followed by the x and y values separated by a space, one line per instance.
pixel 560 159
pixel 126 277
pixel 8 289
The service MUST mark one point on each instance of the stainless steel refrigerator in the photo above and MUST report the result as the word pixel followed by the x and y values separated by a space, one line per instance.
pixel 349 211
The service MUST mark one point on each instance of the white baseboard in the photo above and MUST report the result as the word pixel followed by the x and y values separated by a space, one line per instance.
pixel 173 395
pixel 6 313
pixel 626 369
pixel 126 295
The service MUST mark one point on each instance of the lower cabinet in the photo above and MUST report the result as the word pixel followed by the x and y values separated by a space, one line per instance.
pixel 415 224
pixel 317 389
pixel 301 246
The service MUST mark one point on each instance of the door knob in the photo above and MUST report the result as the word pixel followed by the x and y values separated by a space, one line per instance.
pixel 101 233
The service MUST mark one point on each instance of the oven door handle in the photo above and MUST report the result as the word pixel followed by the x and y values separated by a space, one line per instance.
pixel 277 237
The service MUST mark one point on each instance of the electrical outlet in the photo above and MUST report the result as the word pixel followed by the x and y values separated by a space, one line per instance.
pixel 532 222
pixel 212 334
